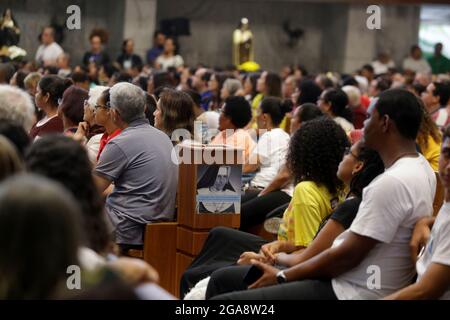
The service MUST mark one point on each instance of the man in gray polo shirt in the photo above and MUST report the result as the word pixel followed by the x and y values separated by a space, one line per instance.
pixel 138 162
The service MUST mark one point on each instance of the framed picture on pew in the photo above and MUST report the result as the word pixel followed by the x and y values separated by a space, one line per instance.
pixel 219 188
pixel 209 186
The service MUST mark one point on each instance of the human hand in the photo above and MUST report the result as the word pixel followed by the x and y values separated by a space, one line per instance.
pixel 268 278
pixel 269 250
pixel 247 257
pixel 80 134
pixel 420 236
pixel 134 271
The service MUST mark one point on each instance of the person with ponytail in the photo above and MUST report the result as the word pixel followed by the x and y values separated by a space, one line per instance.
pixel 334 102
pixel 49 93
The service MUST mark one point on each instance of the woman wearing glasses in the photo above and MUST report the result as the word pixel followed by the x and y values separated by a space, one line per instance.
pixel 104 118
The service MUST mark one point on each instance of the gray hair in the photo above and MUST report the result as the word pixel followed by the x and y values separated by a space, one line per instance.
pixel 232 86
pixel 16 106
pixel 95 93
pixel 129 100
pixel 353 94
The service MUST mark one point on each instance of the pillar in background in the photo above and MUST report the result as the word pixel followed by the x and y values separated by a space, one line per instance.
pixel 140 23
pixel 399 30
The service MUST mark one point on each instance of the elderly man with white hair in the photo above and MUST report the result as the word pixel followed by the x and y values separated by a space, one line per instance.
pixel 354 101
pixel 16 105
pixel 138 161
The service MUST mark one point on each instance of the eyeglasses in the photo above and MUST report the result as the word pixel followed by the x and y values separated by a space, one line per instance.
pixel 348 151
pixel 98 106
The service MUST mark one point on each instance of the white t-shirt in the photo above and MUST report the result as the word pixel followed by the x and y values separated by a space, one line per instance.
pixel 271 149
pixel 438 246
pixel 48 54
pixel 442 117
pixel 167 62
pixel 92 146
pixel 420 65
pixel 390 208
pixel 380 67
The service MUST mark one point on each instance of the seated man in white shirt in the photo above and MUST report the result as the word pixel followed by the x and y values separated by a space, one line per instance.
pixel 433 266
pixel 415 62
pixel 49 51
pixel 371 259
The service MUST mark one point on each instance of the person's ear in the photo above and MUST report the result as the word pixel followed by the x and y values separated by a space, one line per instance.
pixel 115 116
pixel 357 167
pixel 385 123
pixel 47 97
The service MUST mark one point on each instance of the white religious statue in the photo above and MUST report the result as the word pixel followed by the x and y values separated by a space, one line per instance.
pixel 242 44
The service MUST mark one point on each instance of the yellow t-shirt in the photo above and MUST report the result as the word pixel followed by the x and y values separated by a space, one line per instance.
pixel 310 205
pixel 432 153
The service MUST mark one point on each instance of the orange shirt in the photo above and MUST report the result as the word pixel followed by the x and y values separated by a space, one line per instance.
pixel 239 138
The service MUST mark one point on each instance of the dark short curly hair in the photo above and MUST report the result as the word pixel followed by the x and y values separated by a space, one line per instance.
pixel 315 152
pixel 238 110
pixel 64 160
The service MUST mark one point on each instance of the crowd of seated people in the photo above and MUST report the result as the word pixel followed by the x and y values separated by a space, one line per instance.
pixel 340 167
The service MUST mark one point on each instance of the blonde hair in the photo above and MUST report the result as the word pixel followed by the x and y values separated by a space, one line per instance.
pixel 31 81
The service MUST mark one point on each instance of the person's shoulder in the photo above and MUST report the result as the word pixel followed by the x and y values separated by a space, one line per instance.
pixel 281 134
pixel 349 203
pixel 56 46
pixel 309 193
pixel 442 223
pixel 210 114
pixel 305 187
pixel 406 172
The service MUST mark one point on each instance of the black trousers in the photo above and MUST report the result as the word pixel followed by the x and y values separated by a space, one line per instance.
pixel 254 209
pixel 230 280
pixel 222 248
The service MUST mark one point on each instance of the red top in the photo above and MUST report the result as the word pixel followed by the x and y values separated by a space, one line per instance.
pixel 359 116
pixel 52 125
pixel 105 139
pixel 365 101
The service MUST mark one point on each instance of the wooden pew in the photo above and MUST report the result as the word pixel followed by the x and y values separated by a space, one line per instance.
pixel 171 247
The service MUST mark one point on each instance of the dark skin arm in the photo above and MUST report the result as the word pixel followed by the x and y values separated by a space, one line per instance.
pixel 432 285
pixel 420 236
pixel 102 183
pixel 323 241
pixel 328 264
